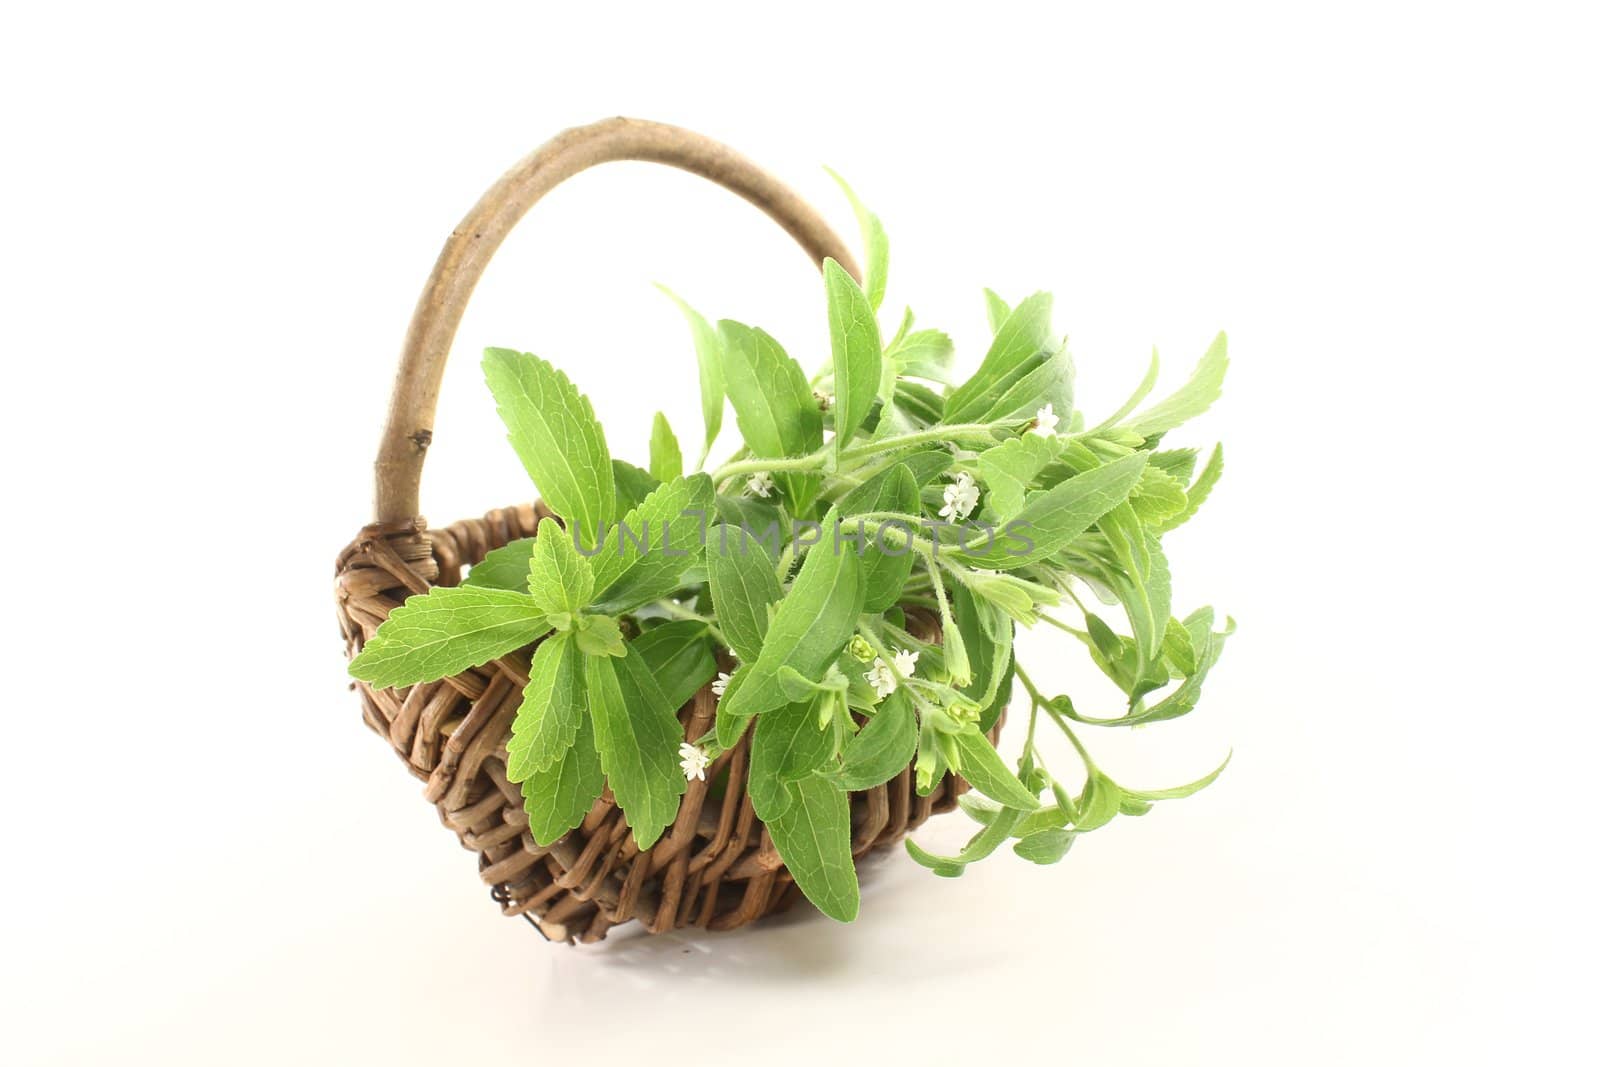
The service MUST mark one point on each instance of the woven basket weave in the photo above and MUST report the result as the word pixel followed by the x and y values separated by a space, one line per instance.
pixel 715 866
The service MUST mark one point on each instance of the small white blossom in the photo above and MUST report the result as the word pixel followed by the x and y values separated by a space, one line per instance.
pixel 759 484
pixel 881 678
pixel 1045 421
pixel 720 686
pixel 960 497
pixel 694 761
pixel 905 662
pixel 824 400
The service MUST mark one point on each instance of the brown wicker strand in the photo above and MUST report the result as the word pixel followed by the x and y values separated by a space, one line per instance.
pixel 409 430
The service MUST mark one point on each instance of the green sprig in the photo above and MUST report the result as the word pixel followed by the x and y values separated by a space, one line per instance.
pixel 625 608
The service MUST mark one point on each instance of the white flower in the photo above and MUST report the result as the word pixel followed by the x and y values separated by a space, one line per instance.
pixel 720 686
pixel 960 497
pixel 905 662
pixel 694 761
pixel 881 678
pixel 1045 421
pixel 824 400
pixel 759 484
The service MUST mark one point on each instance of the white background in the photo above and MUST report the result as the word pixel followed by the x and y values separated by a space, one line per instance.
pixel 215 224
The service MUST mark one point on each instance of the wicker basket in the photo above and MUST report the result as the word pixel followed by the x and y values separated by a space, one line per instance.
pixel 715 866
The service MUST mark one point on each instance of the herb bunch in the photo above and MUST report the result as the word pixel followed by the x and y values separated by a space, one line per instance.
pixel 811 561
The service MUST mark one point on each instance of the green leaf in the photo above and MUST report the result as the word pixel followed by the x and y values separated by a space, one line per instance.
pixel 986 637
pixel 1022 339
pixel 600 635
pixel 445 631
pixel 982 766
pixel 777 414
pixel 927 354
pixel 876 243
pixel 788 745
pixel 813 837
pixel 1178 648
pixel 770 795
pixel 1007 471
pixel 1131 805
pixel 797 686
pixel 633 485
pixel 1010 595
pixel 1114 654
pixel 760 520
pixel 1045 846
pixel 884 747
pixel 1148 383
pixel 926 465
pixel 1193 398
pixel 713 382
pixel 744 583
pixel 1157 497
pixel 1050 519
pixel 1054 817
pixel 556 435
pixel 644 558
pixel 954 652
pixel 1099 802
pixel 1178 462
pixel 982 844
pixel 505 567
pixel 999 311
pixel 1178 792
pixel 981 809
pixel 932 761
pixel 811 625
pixel 638 737
pixel 1198 492
pixel 666 458
pixel 679 657
pixel 731 727
pixel 920 404
pixel 1002 697
pixel 558 797
pixel 885 420
pixel 1044 379
pixel 1182 700
pixel 1143 584
pixel 887 562
pixel 559 580
pixel 857 352
pixel 552 708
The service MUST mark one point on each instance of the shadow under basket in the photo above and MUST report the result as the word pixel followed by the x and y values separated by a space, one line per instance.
pixel 715 866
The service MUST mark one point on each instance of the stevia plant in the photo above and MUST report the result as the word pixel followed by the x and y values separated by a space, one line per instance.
pixel 818 565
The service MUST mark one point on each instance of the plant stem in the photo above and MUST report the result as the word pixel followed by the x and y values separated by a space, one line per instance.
pixel 1030 758
pixel 756 466
pixel 1027 683
pixel 1081 635
pixel 1050 710
pixel 946 619
pixel 952 432
pixel 1061 721
pixel 678 611
pixel 819 459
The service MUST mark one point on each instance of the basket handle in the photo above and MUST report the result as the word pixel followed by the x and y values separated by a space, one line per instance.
pixel 408 432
